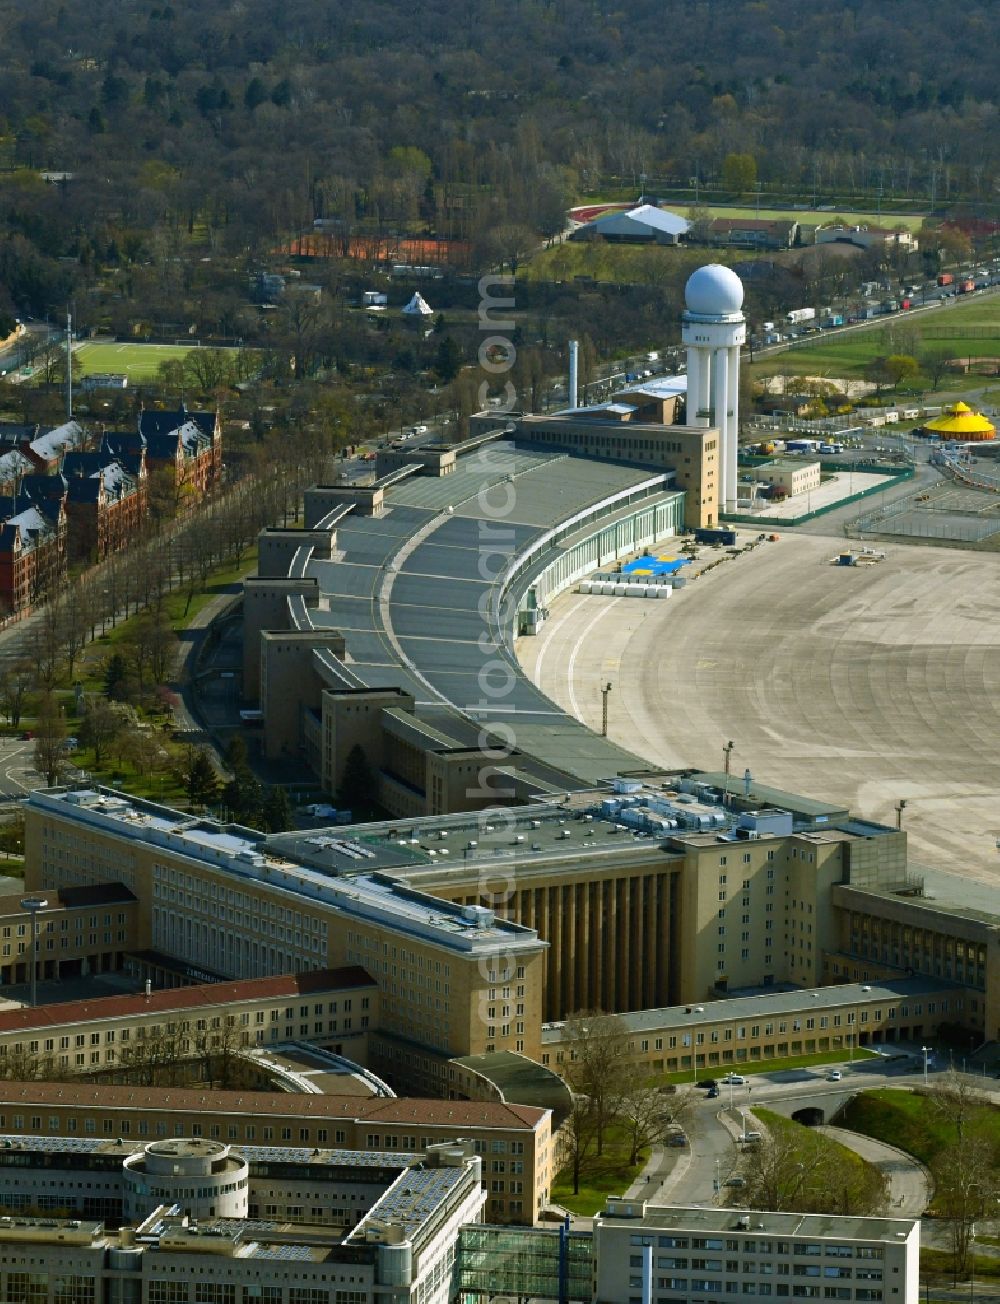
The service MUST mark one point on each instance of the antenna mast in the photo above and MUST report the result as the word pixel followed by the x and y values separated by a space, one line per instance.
pixel 69 366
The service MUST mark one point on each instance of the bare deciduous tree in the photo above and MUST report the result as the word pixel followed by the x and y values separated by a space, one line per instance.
pixel 599 1049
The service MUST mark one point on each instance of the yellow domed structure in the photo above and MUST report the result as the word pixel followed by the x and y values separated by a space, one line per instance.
pixel 961 422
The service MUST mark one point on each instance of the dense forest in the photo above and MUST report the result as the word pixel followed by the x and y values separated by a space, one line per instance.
pixel 155 155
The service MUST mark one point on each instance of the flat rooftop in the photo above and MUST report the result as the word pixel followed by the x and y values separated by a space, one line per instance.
pixel 316 874
pixel 344 1162
pixel 815 1225
pixel 764 1006
pixel 658 807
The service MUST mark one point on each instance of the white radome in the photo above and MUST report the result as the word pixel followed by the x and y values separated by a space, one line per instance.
pixel 714 291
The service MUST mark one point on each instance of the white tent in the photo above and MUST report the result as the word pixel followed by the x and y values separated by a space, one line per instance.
pixel 645 223
pixel 418 307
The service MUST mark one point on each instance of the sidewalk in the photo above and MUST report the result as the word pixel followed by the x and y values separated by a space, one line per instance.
pixel 663 1169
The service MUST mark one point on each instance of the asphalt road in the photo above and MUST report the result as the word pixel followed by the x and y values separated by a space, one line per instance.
pixel 17 767
pixel 714 1124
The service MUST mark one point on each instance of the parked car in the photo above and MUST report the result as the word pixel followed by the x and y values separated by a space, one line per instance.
pixel 677 1139
pixel 736 1180
pixel 736 1079
pixel 707 1082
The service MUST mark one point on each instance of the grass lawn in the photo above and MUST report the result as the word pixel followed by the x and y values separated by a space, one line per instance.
pixel 907 1120
pixel 937 1264
pixel 719 1071
pixel 937 331
pixel 137 361
pixel 611 1174
pixel 852 1175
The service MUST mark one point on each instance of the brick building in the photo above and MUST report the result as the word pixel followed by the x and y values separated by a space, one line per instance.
pixel 106 501
pixel 32 552
pixel 45 447
pixel 187 446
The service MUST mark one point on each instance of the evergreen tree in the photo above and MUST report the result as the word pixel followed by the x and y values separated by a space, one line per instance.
pixel 197 773
pixel 448 359
pixel 277 810
pixel 116 677
pixel 243 797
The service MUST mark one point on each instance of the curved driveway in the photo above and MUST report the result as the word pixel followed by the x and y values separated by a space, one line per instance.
pixel 909 1181
pixel 856 684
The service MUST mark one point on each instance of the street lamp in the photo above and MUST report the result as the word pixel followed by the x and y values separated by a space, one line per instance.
pixel 605 691
pixel 33 904
pixel 925 1050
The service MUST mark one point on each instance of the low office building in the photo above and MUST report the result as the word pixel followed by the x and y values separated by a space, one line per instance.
pixel 655 1254
pixel 112 1033
pixel 321 1226
pixel 776 1025
pixel 239 904
pixel 752 233
pixel 81 931
pixel 514 1141
pixel 791 477
pixel 869 237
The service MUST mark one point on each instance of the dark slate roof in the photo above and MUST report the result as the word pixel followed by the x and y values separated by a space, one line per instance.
pixel 85 489
pixel 44 491
pixel 163 423
pixel 87 472
pixel 13 435
pixel 131 442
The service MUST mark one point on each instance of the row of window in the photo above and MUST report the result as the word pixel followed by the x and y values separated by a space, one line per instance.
pixel 799 1249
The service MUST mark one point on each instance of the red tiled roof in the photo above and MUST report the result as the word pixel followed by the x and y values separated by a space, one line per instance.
pixel 751 223
pixel 380 249
pixel 184 998
pixel 453 1114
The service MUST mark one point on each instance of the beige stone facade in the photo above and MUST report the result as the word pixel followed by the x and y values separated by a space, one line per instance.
pixel 747 1030
pixel 112 1032
pixel 224 899
pixel 691 452
pixel 515 1141
pixel 794 477
pixel 81 931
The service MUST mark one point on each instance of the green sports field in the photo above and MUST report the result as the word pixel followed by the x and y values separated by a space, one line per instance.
pixel 137 361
